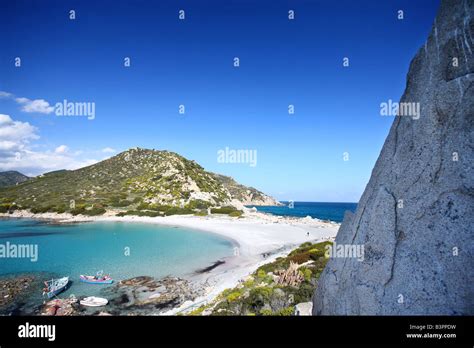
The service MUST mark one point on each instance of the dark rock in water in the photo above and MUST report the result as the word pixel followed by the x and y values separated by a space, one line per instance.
pixel 146 295
pixel 122 299
pixel 21 293
pixel 211 267
pixel 13 287
pixel 136 281
pixel 416 215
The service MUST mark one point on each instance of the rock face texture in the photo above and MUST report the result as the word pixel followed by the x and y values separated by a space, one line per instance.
pixel 416 216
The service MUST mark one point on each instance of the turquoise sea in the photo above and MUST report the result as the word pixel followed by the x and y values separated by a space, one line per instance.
pixel 123 250
pixel 320 210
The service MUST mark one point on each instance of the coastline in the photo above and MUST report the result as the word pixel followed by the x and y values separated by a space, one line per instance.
pixel 254 234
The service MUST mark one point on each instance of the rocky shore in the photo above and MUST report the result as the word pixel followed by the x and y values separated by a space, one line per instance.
pixel 141 295
pixel 11 288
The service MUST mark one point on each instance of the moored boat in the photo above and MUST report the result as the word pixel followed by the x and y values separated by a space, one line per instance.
pixel 93 301
pixel 55 286
pixel 97 279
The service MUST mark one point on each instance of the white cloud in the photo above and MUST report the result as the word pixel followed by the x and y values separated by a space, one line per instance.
pixel 18 153
pixel 35 162
pixel 5 94
pixel 37 105
pixel 108 150
pixel 61 149
pixel 16 131
pixel 6 145
pixel 15 135
pixel 5 119
pixel 40 106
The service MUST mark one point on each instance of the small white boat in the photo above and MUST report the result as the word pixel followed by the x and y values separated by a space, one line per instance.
pixel 93 301
pixel 55 286
pixel 98 279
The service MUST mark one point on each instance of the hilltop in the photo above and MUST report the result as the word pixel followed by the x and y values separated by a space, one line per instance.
pixel 137 181
pixel 11 178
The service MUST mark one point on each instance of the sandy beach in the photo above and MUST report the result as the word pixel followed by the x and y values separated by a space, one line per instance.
pixel 259 238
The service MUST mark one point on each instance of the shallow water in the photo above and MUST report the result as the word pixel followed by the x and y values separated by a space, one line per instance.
pixel 123 250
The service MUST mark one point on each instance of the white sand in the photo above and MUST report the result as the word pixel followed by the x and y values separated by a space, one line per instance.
pixel 255 234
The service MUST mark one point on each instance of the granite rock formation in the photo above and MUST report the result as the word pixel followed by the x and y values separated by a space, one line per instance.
pixel 416 216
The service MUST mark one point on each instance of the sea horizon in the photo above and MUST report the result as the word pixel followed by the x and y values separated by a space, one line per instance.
pixel 326 211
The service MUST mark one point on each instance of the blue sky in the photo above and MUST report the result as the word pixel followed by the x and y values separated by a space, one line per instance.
pixel 190 62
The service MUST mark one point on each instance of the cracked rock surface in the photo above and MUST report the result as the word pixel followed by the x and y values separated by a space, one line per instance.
pixel 416 216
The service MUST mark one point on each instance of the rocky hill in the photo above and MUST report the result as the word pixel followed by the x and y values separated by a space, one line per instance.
pixel 245 195
pixel 11 178
pixel 416 215
pixel 137 179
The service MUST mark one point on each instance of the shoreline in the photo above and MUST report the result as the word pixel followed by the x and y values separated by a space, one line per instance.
pixel 260 238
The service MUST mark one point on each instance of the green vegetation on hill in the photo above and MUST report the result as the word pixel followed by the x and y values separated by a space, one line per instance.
pixel 135 182
pixel 231 211
pixel 275 288
pixel 12 178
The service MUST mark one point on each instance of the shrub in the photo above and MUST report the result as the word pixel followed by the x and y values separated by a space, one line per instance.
pixel 316 254
pixel 233 296
pixel 223 210
pixel 143 206
pixel 261 274
pixel 154 207
pixel 265 292
pixel 315 251
pixel 139 213
pixel 198 204
pixel 149 213
pixel 79 209
pixel 303 293
pixel 257 298
pixel 288 311
pixel 60 209
pixel 225 293
pixel 307 274
pixel 43 209
pixel 198 311
pixel 162 207
pixel 300 258
pixel 249 283
pixel 236 213
pixel 178 211
pixel 266 312
pixel 94 211
pixel 201 213
pixel 8 207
